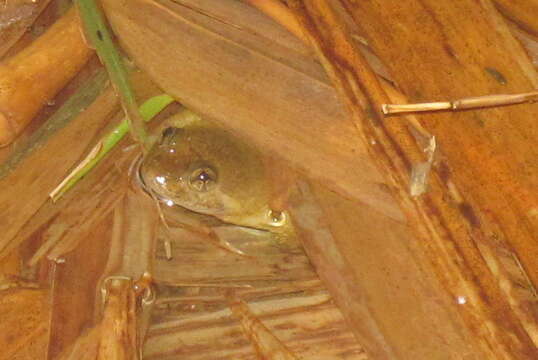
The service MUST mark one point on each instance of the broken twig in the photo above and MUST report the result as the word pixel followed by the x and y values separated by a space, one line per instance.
pixel 462 104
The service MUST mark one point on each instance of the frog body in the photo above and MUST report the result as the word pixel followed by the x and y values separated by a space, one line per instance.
pixel 207 170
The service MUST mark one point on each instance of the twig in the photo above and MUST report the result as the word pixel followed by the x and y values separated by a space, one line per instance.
pixel 280 13
pixel 98 34
pixel 461 104
pixel 148 110
pixel 267 345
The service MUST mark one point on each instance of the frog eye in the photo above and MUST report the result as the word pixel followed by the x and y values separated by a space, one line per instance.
pixel 203 179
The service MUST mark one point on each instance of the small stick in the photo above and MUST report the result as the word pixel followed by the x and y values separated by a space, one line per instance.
pixel 267 345
pixel 461 104
pixel 200 285
pixel 168 249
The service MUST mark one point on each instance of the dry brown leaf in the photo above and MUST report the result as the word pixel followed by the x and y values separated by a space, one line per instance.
pixel 222 66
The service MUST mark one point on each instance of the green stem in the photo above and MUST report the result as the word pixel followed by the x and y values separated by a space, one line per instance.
pixel 97 33
pixel 148 110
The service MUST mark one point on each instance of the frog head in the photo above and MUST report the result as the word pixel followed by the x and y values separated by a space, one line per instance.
pixel 210 171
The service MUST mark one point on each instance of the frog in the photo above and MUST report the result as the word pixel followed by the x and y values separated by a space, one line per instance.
pixel 196 167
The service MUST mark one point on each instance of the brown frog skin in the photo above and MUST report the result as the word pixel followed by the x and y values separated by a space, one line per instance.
pixel 207 170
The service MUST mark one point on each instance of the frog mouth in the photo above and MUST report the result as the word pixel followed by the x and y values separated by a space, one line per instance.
pixel 139 179
pixel 136 173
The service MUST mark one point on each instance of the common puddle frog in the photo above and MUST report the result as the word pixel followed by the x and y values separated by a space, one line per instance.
pixel 197 166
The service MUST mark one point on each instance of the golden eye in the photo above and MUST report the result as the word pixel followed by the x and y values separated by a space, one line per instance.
pixel 203 179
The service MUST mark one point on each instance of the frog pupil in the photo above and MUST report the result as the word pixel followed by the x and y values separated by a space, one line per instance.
pixel 205 177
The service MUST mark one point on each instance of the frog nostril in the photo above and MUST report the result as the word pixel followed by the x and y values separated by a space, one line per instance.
pixel 168 136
